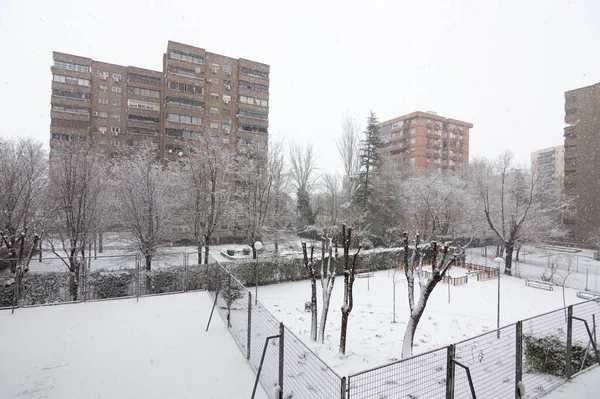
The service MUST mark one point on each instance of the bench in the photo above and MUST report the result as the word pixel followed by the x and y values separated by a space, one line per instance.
pixel 588 295
pixel 362 273
pixel 545 285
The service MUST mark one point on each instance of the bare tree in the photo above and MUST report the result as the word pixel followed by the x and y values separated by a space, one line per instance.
pixel 438 271
pixel 327 280
pixel 349 275
pixel 348 148
pixel 77 186
pixel 303 169
pixel 508 198
pixel 309 265
pixel 208 178
pixel 330 195
pixel 254 191
pixel 147 199
pixel 280 214
pixel 23 176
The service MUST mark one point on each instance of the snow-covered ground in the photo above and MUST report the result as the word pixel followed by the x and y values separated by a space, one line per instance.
pixel 157 348
pixel 585 385
pixel 373 339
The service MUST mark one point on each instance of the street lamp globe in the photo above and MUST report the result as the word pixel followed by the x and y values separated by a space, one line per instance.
pixel 258 245
pixel 498 261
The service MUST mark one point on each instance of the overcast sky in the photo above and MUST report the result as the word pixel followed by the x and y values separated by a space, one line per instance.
pixel 503 67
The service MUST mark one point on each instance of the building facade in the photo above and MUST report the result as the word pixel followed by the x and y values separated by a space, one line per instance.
pixel 197 92
pixel 549 164
pixel 582 161
pixel 426 140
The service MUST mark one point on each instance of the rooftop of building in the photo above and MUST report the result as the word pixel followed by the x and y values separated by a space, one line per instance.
pixel 428 115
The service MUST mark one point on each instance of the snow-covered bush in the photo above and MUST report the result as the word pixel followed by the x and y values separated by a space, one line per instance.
pixel 111 284
pixel 548 355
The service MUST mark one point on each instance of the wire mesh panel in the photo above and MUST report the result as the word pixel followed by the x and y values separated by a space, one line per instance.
pixel 421 376
pixel 49 282
pixel 491 359
pixel 582 349
pixel 236 298
pixel 265 325
pixel 305 375
pixel 544 352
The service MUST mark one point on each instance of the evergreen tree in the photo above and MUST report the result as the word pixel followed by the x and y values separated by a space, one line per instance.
pixel 369 159
pixel 305 213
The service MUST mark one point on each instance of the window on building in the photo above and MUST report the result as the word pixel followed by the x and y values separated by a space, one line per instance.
pixel 214 125
pixel 103 74
pixel 72 66
pixel 413 130
pixel 142 130
pixel 214 111
pixel 214 68
pixel 70 80
pixel 214 96
pixel 254 72
pixel 70 110
pixel 254 101
pixel 103 88
pixel 185 87
pixel 185 103
pixel 185 56
pixel 103 101
pixel 226 98
pixel 116 89
pixel 247 113
pixel 143 105
pixel 227 84
pixel 413 140
pixel 133 77
pixel 116 130
pixel 116 77
pixel 140 91
pixel 116 116
pixel 70 94
pixel 115 143
pixel 227 69
pixel 115 103
pixel 143 118
pixel 190 120
pixel 101 114
pixel 263 89
pixel 102 130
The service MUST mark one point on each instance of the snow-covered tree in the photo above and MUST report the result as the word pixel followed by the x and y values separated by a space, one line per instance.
pixel 147 197
pixel 327 280
pixel 349 270
pixel 426 285
pixel 369 159
pixel 303 169
pixel 509 200
pixel 309 265
pixel 348 148
pixel 328 201
pixel 254 189
pixel 23 177
pixel 77 198
pixel 207 185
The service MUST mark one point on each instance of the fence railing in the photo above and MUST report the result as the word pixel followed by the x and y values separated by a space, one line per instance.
pixel 290 368
pixel 101 277
pixel 540 353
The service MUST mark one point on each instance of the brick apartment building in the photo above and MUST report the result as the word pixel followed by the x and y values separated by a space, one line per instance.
pixel 196 92
pixel 582 160
pixel 549 164
pixel 426 140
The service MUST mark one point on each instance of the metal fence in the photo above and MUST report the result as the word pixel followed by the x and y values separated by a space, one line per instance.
pixel 290 369
pixel 50 281
pixel 540 353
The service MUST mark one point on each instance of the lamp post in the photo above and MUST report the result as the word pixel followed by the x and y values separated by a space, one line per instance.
pixel 498 261
pixel 257 247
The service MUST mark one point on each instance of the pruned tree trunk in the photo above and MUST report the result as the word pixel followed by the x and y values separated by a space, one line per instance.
pixel 349 269
pixel 148 264
pixel 310 267
pixel 427 286
pixel 327 282
pixel 509 248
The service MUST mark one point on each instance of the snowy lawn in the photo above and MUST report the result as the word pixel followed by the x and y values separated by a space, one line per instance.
pixel 373 339
pixel 157 348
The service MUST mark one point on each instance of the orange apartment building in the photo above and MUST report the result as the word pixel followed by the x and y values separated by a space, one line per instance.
pixel 196 92
pixel 426 140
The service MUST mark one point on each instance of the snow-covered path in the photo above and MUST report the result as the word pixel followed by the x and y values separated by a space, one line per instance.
pixel 157 348
pixel 585 385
